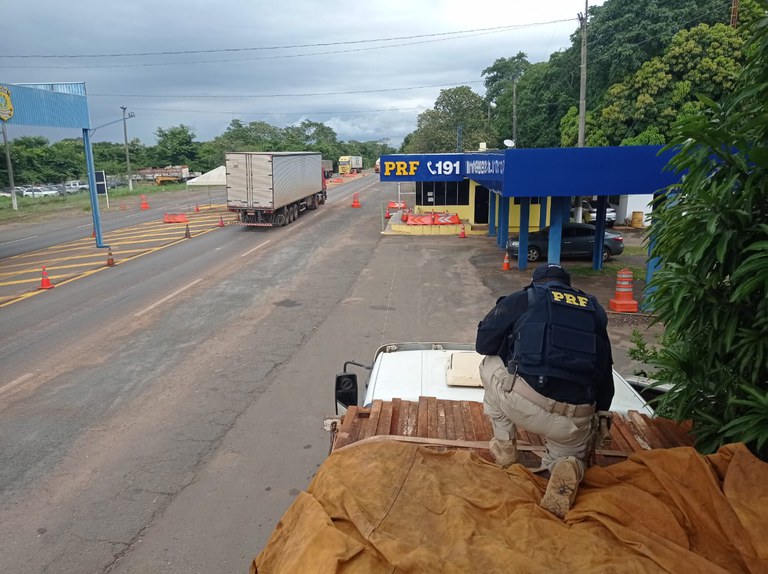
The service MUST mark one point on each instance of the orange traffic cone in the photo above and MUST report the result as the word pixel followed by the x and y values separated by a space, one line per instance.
pixel 623 301
pixel 356 200
pixel 506 266
pixel 187 234
pixel 46 283
pixel 221 221
pixel 93 232
pixel 387 215
pixel 197 208
pixel 110 258
pixel 144 204
pixel 462 235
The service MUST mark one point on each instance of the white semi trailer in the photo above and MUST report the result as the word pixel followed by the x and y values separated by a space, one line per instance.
pixel 270 189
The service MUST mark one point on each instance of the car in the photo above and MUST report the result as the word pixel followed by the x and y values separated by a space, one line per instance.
pixel 39 192
pixel 578 241
pixel 589 213
pixel 75 186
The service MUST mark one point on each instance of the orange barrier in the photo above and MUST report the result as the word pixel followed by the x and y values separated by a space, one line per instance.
pixel 505 266
pixel 356 200
pixel 175 218
pixel 623 301
pixel 110 258
pixel 462 235
pixel 434 219
pixel 144 205
pixel 337 180
pixel 45 283
pixel 397 205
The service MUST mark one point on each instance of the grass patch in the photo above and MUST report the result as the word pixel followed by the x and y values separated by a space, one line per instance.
pixel 609 270
pixel 39 208
pixel 635 250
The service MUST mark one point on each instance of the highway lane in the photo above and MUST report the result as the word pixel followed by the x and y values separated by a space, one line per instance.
pixel 17 238
pixel 118 390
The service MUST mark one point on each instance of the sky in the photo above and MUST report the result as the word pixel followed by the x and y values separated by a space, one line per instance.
pixel 365 68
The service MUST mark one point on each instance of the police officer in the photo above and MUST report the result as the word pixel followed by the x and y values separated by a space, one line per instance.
pixel 548 368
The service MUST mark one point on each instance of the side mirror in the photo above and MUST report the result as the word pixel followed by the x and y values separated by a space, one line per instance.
pixel 346 391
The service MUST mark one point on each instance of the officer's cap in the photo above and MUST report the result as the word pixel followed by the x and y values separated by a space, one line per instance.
pixel 551 272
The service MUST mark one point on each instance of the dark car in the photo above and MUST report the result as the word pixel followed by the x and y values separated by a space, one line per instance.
pixel 578 241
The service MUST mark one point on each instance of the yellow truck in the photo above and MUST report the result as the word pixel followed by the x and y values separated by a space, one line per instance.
pixel 350 164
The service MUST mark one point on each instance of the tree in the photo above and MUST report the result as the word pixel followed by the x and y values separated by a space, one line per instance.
pixel 704 60
pixel 504 72
pixel 711 292
pixel 175 146
pixel 437 129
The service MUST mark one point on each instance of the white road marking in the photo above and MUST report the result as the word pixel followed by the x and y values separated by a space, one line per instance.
pixel 168 297
pixel 15 383
pixel 17 240
pixel 259 246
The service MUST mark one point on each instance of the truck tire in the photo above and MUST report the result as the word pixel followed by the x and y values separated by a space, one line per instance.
pixel 280 218
pixel 312 203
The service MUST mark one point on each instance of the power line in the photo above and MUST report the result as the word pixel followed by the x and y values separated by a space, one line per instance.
pixel 287 113
pixel 289 46
pixel 315 94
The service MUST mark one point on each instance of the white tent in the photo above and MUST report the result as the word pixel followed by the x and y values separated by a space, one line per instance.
pixel 214 180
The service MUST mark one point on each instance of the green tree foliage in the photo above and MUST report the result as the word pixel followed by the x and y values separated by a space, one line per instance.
pixel 175 146
pixel 704 60
pixel 711 292
pixel 437 129
pixel 622 35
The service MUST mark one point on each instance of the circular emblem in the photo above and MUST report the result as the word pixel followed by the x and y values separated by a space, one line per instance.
pixel 6 107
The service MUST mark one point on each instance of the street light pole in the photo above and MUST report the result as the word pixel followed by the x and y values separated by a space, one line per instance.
pixel 127 155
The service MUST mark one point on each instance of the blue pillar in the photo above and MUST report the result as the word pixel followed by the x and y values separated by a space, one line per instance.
pixel 525 216
pixel 560 205
pixel 597 253
pixel 543 212
pixel 503 233
pixel 92 186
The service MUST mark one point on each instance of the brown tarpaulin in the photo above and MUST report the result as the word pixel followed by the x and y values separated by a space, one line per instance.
pixel 392 507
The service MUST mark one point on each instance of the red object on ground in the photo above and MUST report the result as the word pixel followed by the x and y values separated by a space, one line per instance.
pixel 623 301
pixel 506 266
pixel 462 235
pixel 221 221
pixel 356 200
pixel 46 282
pixel 144 204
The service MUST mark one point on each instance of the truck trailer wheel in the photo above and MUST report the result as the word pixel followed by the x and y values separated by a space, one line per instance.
pixel 312 203
pixel 280 218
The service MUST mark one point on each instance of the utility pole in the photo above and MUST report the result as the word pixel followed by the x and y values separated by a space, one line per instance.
pixel 127 155
pixel 734 13
pixel 583 77
pixel 514 111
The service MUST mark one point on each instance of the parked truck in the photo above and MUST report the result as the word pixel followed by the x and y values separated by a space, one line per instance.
pixel 165 175
pixel 410 486
pixel 271 189
pixel 350 164
pixel 328 168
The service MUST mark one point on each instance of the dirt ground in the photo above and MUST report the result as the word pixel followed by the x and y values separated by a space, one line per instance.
pixel 603 286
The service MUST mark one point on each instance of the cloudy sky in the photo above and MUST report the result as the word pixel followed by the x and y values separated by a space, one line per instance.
pixel 366 68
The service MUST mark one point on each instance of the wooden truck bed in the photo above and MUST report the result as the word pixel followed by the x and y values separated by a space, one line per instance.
pixel 461 424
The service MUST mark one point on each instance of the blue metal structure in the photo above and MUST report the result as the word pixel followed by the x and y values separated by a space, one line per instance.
pixel 58 105
pixel 556 173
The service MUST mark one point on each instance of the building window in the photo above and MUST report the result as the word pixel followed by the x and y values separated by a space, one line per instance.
pixel 534 200
pixel 442 192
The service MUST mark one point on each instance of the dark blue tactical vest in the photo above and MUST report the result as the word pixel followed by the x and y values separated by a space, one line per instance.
pixel 556 336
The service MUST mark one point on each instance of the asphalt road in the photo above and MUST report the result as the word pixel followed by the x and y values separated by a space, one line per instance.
pixel 160 416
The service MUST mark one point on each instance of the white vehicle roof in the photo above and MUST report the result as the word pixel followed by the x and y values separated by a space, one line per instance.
pixel 449 371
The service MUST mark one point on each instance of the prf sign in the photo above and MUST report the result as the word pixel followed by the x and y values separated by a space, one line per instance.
pixel 421 167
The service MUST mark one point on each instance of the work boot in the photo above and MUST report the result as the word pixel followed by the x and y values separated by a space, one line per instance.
pixel 562 487
pixel 504 452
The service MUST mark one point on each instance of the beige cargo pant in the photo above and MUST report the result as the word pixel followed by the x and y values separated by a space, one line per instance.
pixel 564 436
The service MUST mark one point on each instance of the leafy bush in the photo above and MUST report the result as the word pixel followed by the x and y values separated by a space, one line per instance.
pixel 711 235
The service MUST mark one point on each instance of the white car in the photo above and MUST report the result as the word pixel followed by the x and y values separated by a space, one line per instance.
pixel 39 192
pixel 589 213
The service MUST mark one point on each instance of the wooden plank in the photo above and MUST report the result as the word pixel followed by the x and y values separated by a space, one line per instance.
pixel 385 419
pixel 422 420
pixel 350 427
pixel 466 420
pixel 432 422
pixel 399 412
pixel 370 426
pixel 477 422
pixel 679 433
pixel 650 434
pixel 450 427
pixel 442 423
pixel 617 439
pixel 622 425
pixel 458 421
pixel 411 421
